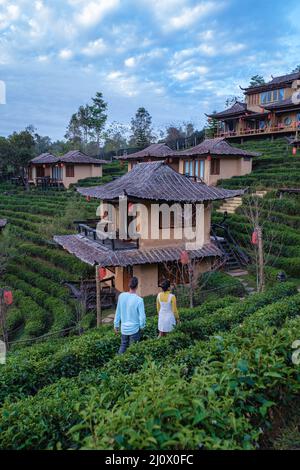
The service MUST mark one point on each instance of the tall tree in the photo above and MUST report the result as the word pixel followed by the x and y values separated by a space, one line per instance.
pixel 115 137
pixel 211 127
pixel 74 132
pixel 22 150
pixel 257 80
pixel 98 116
pixel 141 129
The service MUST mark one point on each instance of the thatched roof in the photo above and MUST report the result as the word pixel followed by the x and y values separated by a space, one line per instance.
pixel 92 253
pixel 153 151
pixel 157 181
pixel 219 147
pixel 72 157
pixel 3 223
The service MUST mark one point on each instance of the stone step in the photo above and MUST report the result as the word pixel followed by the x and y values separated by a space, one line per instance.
pixel 237 272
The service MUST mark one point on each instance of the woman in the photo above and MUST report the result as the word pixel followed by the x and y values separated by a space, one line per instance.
pixel 167 309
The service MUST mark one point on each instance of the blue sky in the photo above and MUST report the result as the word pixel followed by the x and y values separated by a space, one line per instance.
pixel 178 58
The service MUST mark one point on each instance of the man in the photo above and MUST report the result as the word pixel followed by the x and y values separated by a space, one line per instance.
pixel 131 313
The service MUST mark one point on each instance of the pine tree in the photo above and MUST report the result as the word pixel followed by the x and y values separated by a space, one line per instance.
pixel 141 129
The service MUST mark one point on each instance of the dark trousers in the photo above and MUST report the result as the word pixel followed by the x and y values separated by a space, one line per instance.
pixel 127 340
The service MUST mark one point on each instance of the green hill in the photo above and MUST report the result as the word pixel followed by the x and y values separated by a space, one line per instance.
pixel 275 168
pixel 209 385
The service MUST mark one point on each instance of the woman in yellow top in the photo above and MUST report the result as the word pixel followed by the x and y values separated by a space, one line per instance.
pixel 167 309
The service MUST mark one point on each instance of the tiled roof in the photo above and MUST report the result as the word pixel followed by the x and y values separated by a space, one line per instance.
pixel 218 146
pixel 92 252
pixel 74 156
pixel 45 158
pixel 154 150
pixel 275 82
pixel 237 108
pixel 157 181
pixel 281 104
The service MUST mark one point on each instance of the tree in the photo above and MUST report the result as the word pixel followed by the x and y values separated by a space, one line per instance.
pixel 231 100
pixel 296 69
pixel 257 80
pixel 258 212
pixel 22 151
pixel 115 138
pixel 74 132
pixel 97 116
pixel 141 129
pixel 211 127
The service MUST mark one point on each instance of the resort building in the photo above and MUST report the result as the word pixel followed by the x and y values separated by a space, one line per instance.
pixel 271 109
pixel 210 161
pixel 48 169
pixel 146 244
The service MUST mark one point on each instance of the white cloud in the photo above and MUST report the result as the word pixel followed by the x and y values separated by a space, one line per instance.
pixel 95 48
pixel 130 62
pixel 91 13
pixel 10 14
pixel 65 54
pixel 189 16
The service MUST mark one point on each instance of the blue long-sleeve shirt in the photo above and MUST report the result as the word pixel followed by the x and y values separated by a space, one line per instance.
pixel 131 313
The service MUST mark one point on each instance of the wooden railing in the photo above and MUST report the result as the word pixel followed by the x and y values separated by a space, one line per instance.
pixel 266 130
pixel 89 231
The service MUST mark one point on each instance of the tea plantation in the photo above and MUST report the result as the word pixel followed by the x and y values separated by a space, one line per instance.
pixel 36 268
pixel 214 383
pixel 275 168
pixel 209 385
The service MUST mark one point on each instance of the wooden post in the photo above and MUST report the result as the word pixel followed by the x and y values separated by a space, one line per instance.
pixel 98 297
pixel 2 320
pixel 261 272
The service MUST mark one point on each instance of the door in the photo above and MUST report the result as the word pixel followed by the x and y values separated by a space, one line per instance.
pixel 127 275
pixel 57 173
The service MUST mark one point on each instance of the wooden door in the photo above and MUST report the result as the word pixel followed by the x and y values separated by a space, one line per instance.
pixel 127 275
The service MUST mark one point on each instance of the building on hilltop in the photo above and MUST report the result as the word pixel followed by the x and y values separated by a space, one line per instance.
pixel 155 251
pixel 64 170
pixel 211 160
pixel 271 109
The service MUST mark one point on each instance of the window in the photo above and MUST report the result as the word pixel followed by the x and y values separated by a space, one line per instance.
pixel 57 172
pixel 281 95
pixel 40 172
pixel 70 171
pixel 199 168
pixel 271 96
pixel 215 166
pixel 287 121
pixel 298 120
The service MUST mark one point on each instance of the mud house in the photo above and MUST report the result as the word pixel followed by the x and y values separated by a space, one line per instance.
pixel 143 255
pixel 65 170
pixel 211 160
pixel 271 109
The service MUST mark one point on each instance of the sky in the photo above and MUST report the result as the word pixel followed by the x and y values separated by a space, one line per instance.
pixel 179 59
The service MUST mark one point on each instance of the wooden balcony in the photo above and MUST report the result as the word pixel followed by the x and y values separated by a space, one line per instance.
pixel 269 130
pixel 88 230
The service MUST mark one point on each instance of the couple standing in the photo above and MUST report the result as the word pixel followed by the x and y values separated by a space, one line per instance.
pixel 131 313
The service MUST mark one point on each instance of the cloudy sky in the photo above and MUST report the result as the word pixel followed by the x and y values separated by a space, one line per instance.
pixel 178 58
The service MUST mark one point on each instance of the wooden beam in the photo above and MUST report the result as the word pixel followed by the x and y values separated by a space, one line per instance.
pixel 98 296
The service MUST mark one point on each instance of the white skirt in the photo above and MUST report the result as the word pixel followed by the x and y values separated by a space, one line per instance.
pixel 166 322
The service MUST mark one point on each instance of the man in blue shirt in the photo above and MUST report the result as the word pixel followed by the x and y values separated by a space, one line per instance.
pixel 131 313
